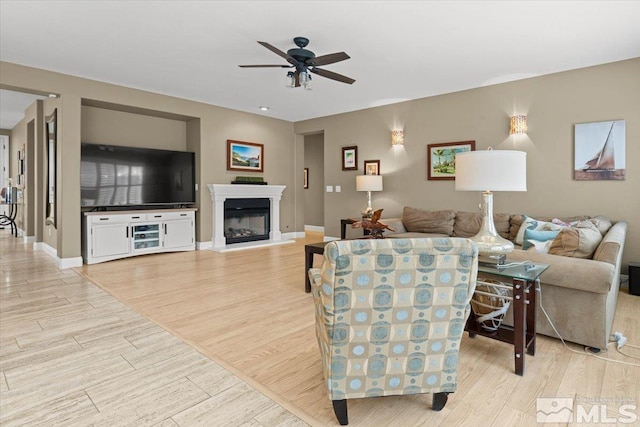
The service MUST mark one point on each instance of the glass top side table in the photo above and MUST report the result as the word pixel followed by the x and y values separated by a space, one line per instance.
pixel 523 276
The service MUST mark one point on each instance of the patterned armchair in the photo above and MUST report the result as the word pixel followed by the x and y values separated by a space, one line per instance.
pixel 390 315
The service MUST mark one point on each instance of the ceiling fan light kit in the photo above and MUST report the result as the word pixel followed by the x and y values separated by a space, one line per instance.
pixel 305 62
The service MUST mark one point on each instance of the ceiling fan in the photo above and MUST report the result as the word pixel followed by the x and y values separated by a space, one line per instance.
pixel 304 61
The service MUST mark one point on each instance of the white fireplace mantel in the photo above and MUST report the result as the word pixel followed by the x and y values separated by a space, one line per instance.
pixel 222 192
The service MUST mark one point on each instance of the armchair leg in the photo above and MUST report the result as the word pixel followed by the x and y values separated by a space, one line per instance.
pixel 340 408
pixel 439 400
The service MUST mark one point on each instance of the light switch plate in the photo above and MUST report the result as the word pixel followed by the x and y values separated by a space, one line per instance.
pixel 329 189
pixel 338 189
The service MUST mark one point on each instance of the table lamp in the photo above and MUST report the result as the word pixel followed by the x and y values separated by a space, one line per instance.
pixel 368 183
pixel 488 171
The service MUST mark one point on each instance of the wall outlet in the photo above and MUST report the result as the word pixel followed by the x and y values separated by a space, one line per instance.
pixel 329 188
pixel 196 187
pixel 338 189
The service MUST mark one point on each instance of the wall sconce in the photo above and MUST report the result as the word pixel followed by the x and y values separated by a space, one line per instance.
pixel 397 137
pixel 518 125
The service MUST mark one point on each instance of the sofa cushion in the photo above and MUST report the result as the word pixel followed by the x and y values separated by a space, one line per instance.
pixel 602 223
pixel 580 241
pixel 533 237
pixel 421 221
pixel 584 275
pixel 467 224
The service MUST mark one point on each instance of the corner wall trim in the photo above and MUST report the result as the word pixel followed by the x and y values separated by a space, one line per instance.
pixel 63 263
pixel 201 246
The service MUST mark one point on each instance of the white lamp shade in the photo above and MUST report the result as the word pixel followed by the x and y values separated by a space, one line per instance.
pixel 369 182
pixel 491 170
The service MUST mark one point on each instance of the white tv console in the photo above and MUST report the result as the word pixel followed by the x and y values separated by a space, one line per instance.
pixel 119 234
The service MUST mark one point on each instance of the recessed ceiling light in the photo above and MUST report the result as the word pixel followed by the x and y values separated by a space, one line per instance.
pixel 264 108
pixel 53 95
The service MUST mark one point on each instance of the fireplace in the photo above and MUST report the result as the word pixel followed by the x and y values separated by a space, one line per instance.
pixel 246 220
pixel 220 193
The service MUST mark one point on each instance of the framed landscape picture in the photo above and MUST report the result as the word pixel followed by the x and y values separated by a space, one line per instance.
pixel 372 167
pixel 245 156
pixel 349 158
pixel 441 158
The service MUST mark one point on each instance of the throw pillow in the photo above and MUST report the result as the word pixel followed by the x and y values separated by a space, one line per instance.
pixel 421 221
pixel 533 224
pixel 580 241
pixel 531 237
pixel 540 247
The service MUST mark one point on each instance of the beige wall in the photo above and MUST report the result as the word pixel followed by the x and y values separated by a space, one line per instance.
pixel 216 126
pixel 553 104
pixel 103 126
pixel 314 195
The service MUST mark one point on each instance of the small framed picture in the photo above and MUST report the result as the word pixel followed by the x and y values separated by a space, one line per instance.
pixel 441 158
pixel 349 158
pixel 305 178
pixel 372 167
pixel 245 156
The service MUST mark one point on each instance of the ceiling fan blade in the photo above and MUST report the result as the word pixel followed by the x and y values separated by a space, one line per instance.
pixel 328 59
pixel 278 52
pixel 267 66
pixel 332 75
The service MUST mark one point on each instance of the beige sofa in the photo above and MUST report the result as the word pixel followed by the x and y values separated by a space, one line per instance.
pixel 578 294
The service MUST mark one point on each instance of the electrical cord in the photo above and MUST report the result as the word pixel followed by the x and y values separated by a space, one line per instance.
pixel 513 264
pixel 586 351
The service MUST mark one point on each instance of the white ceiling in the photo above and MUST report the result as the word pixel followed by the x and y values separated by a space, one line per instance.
pixel 399 50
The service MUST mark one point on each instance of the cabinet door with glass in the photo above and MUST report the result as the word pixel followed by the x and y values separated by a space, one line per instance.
pixel 146 237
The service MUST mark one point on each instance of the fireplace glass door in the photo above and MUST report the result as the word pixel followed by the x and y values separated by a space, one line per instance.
pixel 246 220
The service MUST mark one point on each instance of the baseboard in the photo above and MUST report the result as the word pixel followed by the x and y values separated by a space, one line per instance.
pixel 37 246
pixel 314 228
pixel 48 249
pixel 64 263
pixel 201 246
pixel 293 235
pixel 28 239
pixel 61 263
pixel 329 238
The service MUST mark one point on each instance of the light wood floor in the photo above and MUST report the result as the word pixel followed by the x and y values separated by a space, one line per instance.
pixel 247 311
pixel 73 355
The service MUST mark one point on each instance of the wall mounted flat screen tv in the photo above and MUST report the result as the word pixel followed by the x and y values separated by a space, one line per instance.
pixel 114 176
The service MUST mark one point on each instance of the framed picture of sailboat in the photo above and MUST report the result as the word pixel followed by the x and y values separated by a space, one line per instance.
pixel 599 151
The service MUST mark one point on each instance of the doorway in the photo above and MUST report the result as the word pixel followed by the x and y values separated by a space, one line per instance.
pixel 314 190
